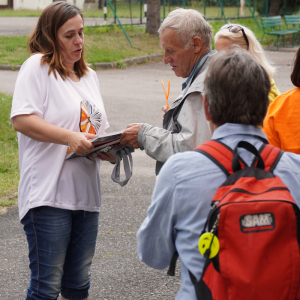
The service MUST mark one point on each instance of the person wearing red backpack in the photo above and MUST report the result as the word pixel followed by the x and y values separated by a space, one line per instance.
pixel 238 194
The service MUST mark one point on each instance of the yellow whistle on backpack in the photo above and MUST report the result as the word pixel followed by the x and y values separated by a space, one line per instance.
pixel 209 241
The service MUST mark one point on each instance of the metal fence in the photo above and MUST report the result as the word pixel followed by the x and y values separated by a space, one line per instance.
pixel 134 12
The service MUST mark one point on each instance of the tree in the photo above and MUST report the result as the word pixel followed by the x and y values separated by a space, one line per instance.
pixel 274 7
pixel 153 16
pixel 283 7
pixel 243 8
pixel 289 7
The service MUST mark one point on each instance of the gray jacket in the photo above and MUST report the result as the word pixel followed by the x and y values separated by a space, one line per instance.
pixel 184 127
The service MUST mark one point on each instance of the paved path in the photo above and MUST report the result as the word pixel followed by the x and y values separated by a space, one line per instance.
pixel 22 26
pixel 131 95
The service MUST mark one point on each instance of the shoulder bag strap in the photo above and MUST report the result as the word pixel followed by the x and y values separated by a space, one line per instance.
pixel 123 154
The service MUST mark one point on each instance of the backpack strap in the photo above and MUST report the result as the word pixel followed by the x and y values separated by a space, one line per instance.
pixel 220 154
pixel 271 156
pixel 201 289
pixel 215 151
pixel 257 162
pixel 172 267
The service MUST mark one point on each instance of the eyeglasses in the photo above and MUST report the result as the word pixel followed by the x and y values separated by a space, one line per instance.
pixel 235 29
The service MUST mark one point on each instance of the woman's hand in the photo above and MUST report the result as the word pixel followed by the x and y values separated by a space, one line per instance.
pixel 79 142
pixel 40 130
pixel 106 156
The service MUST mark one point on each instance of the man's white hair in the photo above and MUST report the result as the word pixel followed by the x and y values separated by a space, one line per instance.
pixel 188 23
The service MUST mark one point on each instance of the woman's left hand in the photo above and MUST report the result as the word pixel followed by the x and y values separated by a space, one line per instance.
pixel 106 156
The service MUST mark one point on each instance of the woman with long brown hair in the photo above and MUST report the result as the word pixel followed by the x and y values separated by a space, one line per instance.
pixel 281 124
pixel 57 106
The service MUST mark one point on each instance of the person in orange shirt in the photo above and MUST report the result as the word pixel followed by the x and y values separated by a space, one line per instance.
pixel 281 124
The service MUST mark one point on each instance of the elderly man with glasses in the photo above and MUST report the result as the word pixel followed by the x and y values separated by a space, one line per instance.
pixel 186 39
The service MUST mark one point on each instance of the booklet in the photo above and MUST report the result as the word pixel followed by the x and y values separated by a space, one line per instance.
pixel 103 143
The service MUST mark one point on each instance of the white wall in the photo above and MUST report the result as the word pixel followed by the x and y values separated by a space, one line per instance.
pixel 41 4
pixel 31 4
pixel 78 3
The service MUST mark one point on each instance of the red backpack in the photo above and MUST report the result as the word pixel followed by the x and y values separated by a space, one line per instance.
pixel 256 221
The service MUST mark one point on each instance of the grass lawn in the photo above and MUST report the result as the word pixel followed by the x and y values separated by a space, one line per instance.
pixel 13 50
pixel 109 44
pixel 103 44
pixel 9 162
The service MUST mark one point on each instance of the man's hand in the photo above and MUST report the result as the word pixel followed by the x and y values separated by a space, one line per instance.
pixel 130 134
pixel 164 109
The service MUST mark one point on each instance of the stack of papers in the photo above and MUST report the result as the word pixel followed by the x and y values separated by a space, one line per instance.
pixel 103 143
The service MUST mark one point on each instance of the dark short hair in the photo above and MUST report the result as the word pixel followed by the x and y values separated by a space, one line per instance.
pixel 295 76
pixel 44 38
pixel 237 88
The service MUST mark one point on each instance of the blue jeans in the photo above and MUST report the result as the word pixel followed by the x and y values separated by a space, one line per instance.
pixel 61 247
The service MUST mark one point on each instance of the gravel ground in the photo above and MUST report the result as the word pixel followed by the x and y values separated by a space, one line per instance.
pixel 117 273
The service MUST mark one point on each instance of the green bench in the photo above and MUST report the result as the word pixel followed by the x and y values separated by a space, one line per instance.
pixel 293 21
pixel 272 26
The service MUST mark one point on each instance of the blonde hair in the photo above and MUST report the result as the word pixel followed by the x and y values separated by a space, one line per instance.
pixel 255 48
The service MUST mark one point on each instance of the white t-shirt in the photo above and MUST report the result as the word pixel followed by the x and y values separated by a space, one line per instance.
pixel 46 178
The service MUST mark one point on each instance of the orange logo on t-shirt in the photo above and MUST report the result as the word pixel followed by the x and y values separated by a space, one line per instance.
pixel 90 119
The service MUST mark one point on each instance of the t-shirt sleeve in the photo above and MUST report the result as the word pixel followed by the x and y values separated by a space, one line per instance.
pixel 30 89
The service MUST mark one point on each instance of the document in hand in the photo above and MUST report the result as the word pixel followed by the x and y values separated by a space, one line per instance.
pixel 102 143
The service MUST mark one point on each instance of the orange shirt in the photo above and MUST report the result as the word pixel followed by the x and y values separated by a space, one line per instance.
pixel 282 123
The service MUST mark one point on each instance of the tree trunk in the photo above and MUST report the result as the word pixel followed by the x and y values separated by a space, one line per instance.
pixel 243 8
pixel 153 16
pixel 274 8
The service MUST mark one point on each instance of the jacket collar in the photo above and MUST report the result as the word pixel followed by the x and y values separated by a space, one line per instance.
pixel 197 66
pixel 230 129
